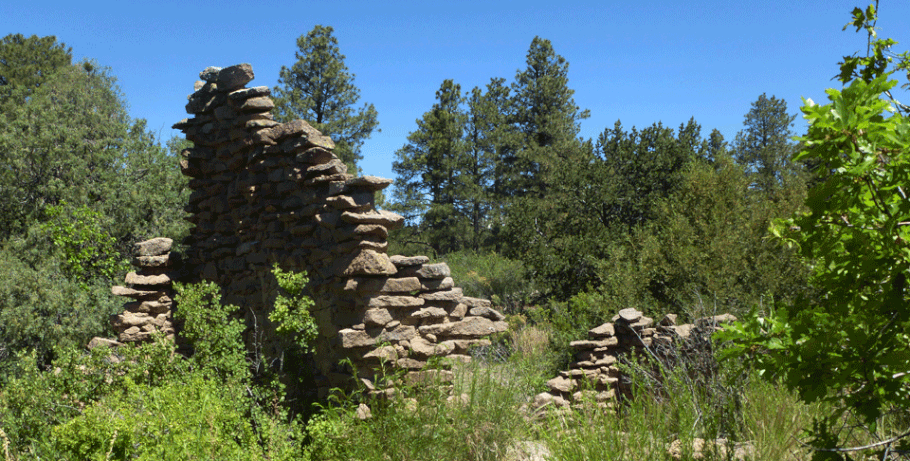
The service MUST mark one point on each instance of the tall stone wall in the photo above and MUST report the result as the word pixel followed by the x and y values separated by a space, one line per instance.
pixel 268 193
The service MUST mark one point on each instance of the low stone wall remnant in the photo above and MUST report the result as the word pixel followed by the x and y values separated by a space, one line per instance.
pixel 595 375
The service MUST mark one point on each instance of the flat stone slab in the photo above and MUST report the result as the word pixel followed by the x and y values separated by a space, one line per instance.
pixel 585 344
pixel 147 280
pixel 382 217
pixel 394 301
pixel 629 314
pixel 470 326
pixel 134 293
pixel 454 295
pixel 154 247
pixel 603 331
pixel 405 261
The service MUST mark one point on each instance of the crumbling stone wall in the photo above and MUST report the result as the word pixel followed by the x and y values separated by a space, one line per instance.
pixel 268 193
pixel 149 286
pixel 595 375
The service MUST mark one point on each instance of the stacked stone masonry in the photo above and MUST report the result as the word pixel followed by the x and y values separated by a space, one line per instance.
pixel 150 288
pixel 267 193
pixel 595 375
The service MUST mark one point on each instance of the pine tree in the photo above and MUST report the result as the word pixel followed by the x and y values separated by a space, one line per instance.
pixel 429 190
pixel 764 146
pixel 492 142
pixel 319 89
pixel 25 63
pixel 546 116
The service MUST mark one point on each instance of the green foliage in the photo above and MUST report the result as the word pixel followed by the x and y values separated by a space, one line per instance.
pixel 765 146
pixel 430 184
pixel 214 335
pixel 709 240
pixel 25 63
pixel 588 215
pixel 146 401
pixel 88 251
pixel 319 89
pixel 292 309
pixel 849 347
pixel 505 282
pixel 194 418
pixel 71 139
pixel 43 311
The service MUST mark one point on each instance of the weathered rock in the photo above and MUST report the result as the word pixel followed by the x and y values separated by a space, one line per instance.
pixel 260 104
pixel 405 261
pixel 630 314
pixel 459 311
pixel 470 326
pixel 374 183
pixel 384 353
pixel 668 320
pixel 394 301
pixel 147 280
pixel 377 316
pixel 427 377
pixel 153 247
pixel 424 348
pixel 382 217
pixel 429 313
pixel 476 302
pixel 231 78
pixel 427 271
pixel 603 331
pixel 437 284
pixel 583 344
pixel 454 295
pixel 487 312
pixel 248 93
pixel 103 342
pixel 355 338
pixel 560 384
pixel 210 74
pixel 363 412
pixel 153 261
pixel 366 262
pixel 134 293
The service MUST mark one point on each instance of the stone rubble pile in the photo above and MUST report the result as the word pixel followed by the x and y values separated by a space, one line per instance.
pixel 150 288
pixel 267 193
pixel 595 375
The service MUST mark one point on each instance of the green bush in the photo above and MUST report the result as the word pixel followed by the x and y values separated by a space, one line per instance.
pixel 147 402
pixel 43 311
pixel 507 283
pixel 193 418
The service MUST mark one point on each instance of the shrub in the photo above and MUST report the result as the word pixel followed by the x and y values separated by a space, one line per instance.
pixel 507 283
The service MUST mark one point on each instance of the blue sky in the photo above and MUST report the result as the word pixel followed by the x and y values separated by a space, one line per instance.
pixel 639 62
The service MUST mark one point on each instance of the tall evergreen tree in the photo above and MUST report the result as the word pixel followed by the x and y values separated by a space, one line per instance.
pixel 25 63
pixel 319 88
pixel 492 142
pixel 546 116
pixel 764 146
pixel 430 190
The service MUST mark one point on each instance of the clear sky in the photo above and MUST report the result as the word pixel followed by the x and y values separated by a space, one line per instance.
pixel 639 62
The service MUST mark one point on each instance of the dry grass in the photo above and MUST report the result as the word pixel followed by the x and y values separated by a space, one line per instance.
pixel 531 341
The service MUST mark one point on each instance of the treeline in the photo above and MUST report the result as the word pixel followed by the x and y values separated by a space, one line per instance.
pixel 652 217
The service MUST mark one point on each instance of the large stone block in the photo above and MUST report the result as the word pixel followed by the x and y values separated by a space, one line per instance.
pixel 365 262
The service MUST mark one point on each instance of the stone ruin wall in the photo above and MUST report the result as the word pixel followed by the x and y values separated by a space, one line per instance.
pixel 266 192
pixel 595 375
